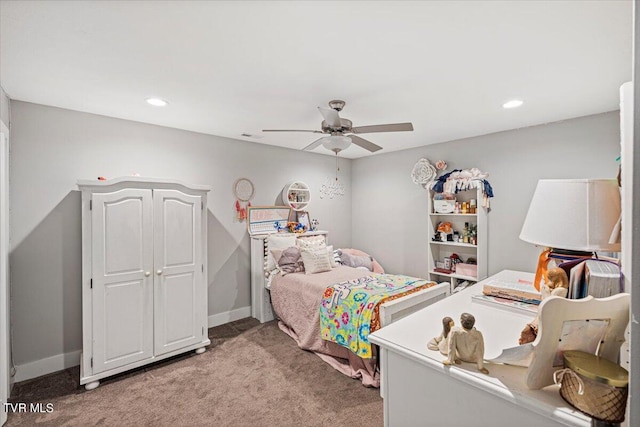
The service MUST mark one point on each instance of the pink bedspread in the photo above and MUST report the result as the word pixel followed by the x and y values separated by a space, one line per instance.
pixel 296 300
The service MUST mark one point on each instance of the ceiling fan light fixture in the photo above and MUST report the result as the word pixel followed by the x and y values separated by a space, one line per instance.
pixel 336 143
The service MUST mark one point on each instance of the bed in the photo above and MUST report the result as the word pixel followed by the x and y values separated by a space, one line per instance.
pixel 296 300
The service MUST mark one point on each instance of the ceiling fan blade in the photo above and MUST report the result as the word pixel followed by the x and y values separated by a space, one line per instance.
pixel 330 116
pixel 392 127
pixel 314 144
pixel 291 130
pixel 367 145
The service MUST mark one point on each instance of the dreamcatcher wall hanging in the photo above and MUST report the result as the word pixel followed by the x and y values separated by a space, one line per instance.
pixel 243 190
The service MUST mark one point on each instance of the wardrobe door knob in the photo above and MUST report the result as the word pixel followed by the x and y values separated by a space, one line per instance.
pixel 147 273
pixel 159 272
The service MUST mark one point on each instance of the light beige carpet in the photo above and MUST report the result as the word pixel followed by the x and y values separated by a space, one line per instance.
pixel 252 375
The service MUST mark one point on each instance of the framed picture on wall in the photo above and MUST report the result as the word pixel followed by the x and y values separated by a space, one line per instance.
pixel 303 218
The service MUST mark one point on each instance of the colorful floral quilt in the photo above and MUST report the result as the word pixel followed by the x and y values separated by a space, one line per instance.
pixel 349 310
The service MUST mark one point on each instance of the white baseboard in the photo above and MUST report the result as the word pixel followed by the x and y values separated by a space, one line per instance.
pixel 229 316
pixel 41 367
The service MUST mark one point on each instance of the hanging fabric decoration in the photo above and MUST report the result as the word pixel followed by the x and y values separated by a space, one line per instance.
pixel 462 180
pixel 243 190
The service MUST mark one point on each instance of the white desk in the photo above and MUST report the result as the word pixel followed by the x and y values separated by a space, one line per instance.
pixel 419 390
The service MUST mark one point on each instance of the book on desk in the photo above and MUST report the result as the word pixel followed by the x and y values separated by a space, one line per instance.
pixel 596 277
pixel 599 278
pixel 516 290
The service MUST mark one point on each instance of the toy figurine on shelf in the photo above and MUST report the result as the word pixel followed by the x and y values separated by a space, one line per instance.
pixel 441 343
pixel 443 230
pixel 296 227
pixel 466 344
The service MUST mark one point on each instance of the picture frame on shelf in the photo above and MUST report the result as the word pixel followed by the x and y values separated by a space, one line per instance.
pixel 303 218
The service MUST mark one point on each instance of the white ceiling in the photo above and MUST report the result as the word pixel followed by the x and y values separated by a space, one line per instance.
pixel 229 68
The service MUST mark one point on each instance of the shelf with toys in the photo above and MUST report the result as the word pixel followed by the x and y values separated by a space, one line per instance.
pixel 458 237
pixel 296 195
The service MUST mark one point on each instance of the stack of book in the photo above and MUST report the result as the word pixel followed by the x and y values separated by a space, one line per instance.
pixel 522 291
pixel 599 278
pixel 517 296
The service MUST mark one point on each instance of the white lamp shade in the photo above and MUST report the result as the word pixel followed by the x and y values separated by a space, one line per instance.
pixel 336 142
pixel 573 214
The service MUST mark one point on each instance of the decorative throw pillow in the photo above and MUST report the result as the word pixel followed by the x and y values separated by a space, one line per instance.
pixel 288 260
pixel 356 261
pixel 276 241
pixel 311 242
pixel 375 265
pixel 315 261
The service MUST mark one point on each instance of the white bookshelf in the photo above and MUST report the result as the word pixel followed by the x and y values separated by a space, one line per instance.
pixel 439 250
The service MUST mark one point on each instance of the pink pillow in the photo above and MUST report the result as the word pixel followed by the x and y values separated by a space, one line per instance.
pixel 377 268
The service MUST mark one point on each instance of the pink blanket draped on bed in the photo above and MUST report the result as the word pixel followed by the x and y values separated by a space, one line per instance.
pixel 296 298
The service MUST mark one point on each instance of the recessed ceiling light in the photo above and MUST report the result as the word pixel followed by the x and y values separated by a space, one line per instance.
pixel 512 104
pixel 156 102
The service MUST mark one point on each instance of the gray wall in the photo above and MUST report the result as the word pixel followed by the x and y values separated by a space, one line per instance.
pixel 52 148
pixel 389 210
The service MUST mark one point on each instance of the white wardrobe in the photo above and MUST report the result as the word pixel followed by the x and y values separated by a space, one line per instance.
pixel 144 273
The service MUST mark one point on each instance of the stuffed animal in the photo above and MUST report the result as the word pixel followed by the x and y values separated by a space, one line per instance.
pixel 289 260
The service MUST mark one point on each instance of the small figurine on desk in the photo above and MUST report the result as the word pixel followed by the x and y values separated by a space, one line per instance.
pixel 441 343
pixel 466 344
pixel 558 285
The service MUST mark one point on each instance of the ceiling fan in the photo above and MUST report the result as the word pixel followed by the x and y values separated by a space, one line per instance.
pixel 342 133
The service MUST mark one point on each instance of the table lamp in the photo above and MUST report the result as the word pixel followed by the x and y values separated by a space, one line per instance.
pixel 573 216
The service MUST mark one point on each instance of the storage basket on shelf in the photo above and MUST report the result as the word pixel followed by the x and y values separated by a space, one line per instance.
pixel 594 385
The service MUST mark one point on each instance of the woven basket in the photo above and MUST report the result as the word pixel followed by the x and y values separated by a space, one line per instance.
pixel 602 401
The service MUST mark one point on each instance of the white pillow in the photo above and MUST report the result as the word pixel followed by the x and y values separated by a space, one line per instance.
pixel 315 261
pixel 311 242
pixel 277 241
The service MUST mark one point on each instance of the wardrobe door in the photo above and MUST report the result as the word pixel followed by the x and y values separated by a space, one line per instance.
pixel 122 280
pixel 180 294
